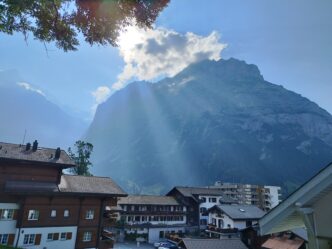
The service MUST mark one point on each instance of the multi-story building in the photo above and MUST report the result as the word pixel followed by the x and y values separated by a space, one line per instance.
pixel 199 200
pixel 40 207
pixel 264 197
pixel 152 217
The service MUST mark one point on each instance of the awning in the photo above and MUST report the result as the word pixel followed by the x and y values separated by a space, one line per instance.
pixel 283 243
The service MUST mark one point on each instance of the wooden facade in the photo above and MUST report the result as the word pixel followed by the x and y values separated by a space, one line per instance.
pixel 40 210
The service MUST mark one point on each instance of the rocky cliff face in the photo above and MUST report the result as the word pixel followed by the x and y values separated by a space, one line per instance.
pixel 215 120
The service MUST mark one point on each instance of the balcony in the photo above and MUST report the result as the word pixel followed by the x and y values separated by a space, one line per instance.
pixel 213 228
pixel 110 219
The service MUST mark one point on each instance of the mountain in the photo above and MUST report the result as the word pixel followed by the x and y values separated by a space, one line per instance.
pixel 24 107
pixel 215 120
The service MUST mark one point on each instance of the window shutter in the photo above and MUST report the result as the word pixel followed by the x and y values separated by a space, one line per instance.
pixel 55 236
pixel 15 214
pixel 37 239
pixel 68 236
pixel 11 238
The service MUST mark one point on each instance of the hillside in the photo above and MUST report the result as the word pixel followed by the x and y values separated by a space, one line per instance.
pixel 41 119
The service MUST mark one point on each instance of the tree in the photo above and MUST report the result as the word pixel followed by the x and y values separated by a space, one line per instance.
pixel 60 21
pixel 81 158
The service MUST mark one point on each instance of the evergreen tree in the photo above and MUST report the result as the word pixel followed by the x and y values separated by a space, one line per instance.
pixel 81 157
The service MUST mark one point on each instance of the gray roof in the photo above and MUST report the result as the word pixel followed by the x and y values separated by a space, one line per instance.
pixel 148 200
pixel 241 212
pixel 192 191
pixel 300 232
pixel 89 185
pixel 213 244
pixel 46 155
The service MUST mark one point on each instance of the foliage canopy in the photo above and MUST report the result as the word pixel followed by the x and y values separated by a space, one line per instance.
pixel 61 21
pixel 81 157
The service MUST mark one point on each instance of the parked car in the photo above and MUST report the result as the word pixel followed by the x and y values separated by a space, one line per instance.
pixel 157 244
pixel 167 245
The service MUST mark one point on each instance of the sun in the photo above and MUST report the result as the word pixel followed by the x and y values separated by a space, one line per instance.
pixel 130 37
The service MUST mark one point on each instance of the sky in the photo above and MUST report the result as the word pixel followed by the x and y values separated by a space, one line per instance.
pixel 290 42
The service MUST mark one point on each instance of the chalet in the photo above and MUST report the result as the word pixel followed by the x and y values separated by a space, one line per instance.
pixel 234 216
pixel 199 200
pixel 40 207
pixel 308 207
pixel 152 217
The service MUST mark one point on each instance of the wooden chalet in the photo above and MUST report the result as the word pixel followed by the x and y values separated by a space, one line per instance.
pixel 40 207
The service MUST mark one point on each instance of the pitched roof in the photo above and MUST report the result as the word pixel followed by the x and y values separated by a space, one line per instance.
pixel 192 191
pixel 148 200
pixel 10 151
pixel 241 212
pixel 287 215
pixel 89 185
pixel 213 244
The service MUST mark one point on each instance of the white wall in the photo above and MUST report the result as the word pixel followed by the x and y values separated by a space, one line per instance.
pixel 8 226
pixel 207 205
pixel 154 232
pixel 57 244
pixel 227 221
pixel 274 195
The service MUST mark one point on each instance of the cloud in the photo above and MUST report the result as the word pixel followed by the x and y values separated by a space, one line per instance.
pixel 152 53
pixel 149 54
pixel 100 95
pixel 28 87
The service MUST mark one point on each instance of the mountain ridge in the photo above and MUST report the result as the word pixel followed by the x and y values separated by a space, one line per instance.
pixel 207 123
pixel 38 117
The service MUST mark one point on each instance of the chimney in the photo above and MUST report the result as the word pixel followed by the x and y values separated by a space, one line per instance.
pixel 34 145
pixel 28 146
pixel 57 153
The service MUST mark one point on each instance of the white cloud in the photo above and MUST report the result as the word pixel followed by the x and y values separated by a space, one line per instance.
pixel 28 87
pixel 152 53
pixel 100 95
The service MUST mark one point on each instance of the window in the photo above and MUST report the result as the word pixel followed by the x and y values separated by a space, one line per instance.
pixel 213 199
pixel 50 236
pixel 29 239
pixel 6 214
pixel 89 214
pixel 203 199
pixel 33 215
pixel 87 236
pixel 3 239
pixel 53 213
pixel 63 236
pixel 202 209
pixel 66 213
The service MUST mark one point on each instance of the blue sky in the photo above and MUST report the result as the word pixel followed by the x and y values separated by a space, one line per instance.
pixel 290 41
